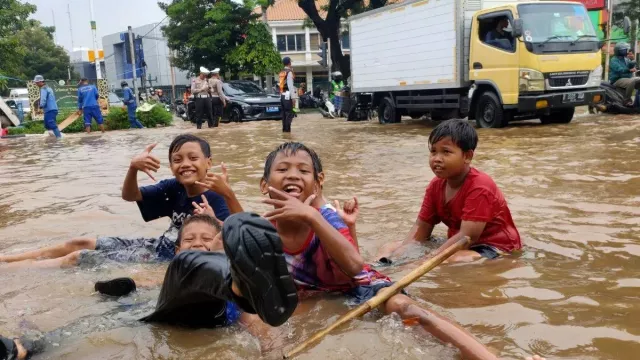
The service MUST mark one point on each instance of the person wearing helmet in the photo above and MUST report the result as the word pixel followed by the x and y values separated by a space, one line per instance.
pixel 336 84
pixel 161 97
pixel 48 106
pixel 200 90
pixel 186 95
pixel 130 101
pixel 621 70
pixel 287 91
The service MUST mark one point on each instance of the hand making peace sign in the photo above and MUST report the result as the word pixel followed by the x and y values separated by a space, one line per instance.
pixel 217 183
pixel 288 207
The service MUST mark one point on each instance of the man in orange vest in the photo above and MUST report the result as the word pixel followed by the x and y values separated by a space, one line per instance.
pixel 288 92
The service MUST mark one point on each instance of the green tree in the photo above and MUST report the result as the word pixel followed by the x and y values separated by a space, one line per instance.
pixel 257 54
pixel 43 56
pixel 330 28
pixel 13 18
pixel 206 32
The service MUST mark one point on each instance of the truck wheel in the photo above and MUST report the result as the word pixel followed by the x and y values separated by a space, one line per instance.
pixel 388 114
pixel 562 116
pixel 489 113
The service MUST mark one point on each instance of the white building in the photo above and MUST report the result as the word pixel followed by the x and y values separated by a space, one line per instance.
pixel 302 44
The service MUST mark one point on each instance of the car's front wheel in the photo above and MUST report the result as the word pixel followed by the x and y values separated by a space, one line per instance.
pixel 235 115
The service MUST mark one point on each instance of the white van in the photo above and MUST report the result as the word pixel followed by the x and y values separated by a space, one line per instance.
pixel 19 93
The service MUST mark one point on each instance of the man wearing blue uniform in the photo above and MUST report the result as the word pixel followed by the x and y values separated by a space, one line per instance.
pixel 88 104
pixel 48 105
pixel 130 101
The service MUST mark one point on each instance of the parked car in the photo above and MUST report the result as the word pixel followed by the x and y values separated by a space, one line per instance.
pixel 114 100
pixel 247 101
pixel 26 105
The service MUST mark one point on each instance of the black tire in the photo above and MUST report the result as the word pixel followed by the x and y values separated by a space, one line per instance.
pixel 235 115
pixel 562 116
pixel 489 112
pixel 388 114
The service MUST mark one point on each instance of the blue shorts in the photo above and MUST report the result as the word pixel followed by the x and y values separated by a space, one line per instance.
pixel 50 119
pixel 363 293
pixel 92 112
pixel 130 250
pixel 487 251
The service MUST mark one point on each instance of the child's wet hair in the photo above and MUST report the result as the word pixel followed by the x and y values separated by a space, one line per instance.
pixel 180 140
pixel 291 148
pixel 460 131
pixel 201 218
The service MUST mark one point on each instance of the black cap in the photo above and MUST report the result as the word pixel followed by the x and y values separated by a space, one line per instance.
pixel 286 61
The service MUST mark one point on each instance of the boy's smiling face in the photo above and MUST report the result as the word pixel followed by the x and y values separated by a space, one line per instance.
pixel 200 236
pixel 293 174
pixel 447 160
pixel 189 164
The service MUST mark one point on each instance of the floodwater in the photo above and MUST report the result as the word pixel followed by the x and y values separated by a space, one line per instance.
pixel 574 192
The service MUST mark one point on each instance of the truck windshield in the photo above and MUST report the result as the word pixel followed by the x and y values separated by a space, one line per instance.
pixel 545 23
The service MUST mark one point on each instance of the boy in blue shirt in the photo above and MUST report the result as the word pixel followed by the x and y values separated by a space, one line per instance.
pixel 190 161
pixel 88 104
pixel 49 106
pixel 130 101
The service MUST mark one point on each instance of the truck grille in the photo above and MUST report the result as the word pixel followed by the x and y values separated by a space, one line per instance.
pixel 568 79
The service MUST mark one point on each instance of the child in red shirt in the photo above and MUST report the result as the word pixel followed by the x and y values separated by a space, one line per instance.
pixel 465 199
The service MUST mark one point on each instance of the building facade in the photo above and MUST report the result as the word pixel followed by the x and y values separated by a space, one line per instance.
pixel 302 44
pixel 83 62
pixel 151 59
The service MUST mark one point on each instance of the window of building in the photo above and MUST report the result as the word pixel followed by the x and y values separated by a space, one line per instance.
pixel 314 41
pixel 345 41
pixel 293 42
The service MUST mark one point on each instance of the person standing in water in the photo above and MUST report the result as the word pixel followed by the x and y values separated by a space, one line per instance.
pixel 287 91
pixel 130 101
pixel 88 105
pixel 49 106
pixel 218 100
pixel 200 91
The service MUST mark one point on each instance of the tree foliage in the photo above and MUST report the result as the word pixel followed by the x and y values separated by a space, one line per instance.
pixel 26 47
pixel 329 26
pixel 217 33
pixel 257 54
pixel 630 8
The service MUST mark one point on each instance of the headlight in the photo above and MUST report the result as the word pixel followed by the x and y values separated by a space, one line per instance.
pixel 530 80
pixel 246 107
pixel 595 77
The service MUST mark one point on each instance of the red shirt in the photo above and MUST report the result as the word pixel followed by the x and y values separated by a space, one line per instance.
pixel 478 199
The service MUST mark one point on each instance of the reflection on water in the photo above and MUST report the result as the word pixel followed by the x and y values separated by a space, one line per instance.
pixel 574 192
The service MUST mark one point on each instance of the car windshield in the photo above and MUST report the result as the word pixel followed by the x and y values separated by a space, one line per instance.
pixel 113 98
pixel 241 88
pixel 24 102
pixel 556 22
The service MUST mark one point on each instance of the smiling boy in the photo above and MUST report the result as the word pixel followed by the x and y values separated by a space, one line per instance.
pixel 462 197
pixel 190 162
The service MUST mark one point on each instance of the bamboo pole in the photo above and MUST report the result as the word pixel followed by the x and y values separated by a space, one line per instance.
pixel 383 295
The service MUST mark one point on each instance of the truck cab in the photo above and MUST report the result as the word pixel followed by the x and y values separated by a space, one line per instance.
pixel 532 60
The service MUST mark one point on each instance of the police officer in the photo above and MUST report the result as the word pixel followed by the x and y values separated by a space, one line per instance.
pixel 200 90
pixel 287 91
pixel 130 101
pixel 218 100
pixel 88 104
pixel 49 106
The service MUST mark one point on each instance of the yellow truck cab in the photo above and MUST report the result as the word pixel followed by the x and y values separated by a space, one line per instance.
pixel 491 60
pixel 552 67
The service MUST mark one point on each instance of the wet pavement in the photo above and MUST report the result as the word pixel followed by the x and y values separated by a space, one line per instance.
pixel 574 192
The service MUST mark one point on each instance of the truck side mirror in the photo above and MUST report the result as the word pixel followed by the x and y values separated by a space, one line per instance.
pixel 626 26
pixel 518 28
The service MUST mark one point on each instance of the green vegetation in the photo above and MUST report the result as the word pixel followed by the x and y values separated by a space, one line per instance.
pixel 117 119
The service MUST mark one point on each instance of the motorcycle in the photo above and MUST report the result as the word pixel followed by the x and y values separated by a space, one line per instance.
pixel 181 109
pixel 614 101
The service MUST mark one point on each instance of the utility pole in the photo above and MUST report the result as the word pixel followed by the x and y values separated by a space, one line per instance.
pixel 70 29
pixel 173 81
pixel 606 62
pixel 133 62
pixel 95 43
pixel 329 65
pixel 55 33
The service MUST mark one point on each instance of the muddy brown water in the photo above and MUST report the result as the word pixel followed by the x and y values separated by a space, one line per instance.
pixel 574 191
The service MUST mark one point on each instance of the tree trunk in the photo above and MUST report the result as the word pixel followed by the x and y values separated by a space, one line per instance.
pixel 269 77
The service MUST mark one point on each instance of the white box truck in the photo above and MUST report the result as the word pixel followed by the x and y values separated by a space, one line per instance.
pixel 493 61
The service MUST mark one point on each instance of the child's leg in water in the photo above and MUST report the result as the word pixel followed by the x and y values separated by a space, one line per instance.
pixel 69 260
pixel 439 326
pixel 52 252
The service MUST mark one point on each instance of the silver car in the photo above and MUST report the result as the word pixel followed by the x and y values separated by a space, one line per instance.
pixel 13 104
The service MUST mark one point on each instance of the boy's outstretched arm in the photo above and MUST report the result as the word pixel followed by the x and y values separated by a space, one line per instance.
pixel 343 252
pixel 472 229
pixel 144 162
pixel 420 232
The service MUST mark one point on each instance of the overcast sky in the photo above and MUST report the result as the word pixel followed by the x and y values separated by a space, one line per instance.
pixel 111 16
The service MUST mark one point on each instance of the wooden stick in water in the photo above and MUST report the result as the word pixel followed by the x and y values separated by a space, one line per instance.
pixel 383 295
